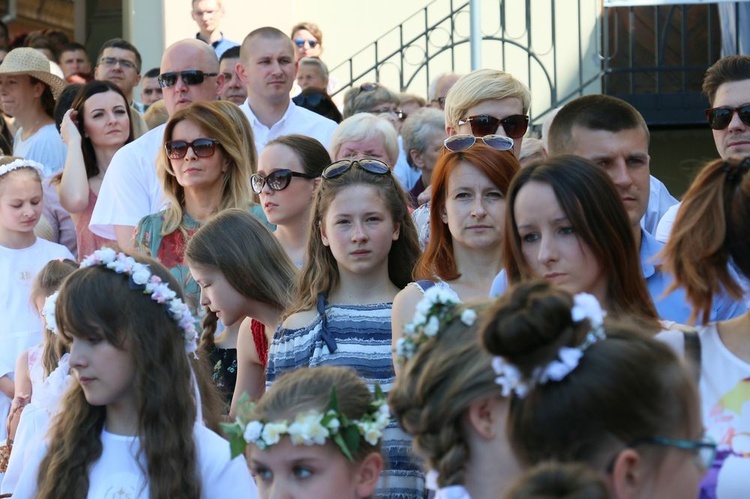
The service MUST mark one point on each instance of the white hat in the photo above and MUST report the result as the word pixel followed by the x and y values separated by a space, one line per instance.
pixel 28 61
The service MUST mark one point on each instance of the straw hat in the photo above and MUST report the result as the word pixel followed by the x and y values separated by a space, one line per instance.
pixel 28 61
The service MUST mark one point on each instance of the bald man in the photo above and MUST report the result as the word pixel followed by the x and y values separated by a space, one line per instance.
pixel 131 189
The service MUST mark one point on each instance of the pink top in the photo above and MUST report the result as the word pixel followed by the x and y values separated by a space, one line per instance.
pixel 87 241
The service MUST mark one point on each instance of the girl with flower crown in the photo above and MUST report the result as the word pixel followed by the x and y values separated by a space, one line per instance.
pixel 446 397
pixel 362 248
pixel 22 256
pixel 467 218
pixel 316 433
pixel 42 375
pixel 603 393
pixel 132 423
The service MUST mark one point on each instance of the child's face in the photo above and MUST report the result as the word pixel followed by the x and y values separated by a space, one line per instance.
pixel 292 471
pixel 218 295
pixel 20 202
pixel 359 230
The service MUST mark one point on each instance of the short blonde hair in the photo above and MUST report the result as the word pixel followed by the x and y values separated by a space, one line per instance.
pixel 365 126
pixel 479 86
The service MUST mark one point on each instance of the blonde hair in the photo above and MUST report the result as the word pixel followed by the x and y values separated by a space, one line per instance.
pixel 366 126
pixel 479 86
pixel 214 120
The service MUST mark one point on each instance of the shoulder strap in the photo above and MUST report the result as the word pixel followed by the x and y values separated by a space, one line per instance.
pixel 693 352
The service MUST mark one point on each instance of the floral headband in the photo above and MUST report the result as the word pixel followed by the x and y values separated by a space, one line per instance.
pixel 585 306
pixel 21 163
pixel 48 311
pixel 435 310
pixel 141 279
pixel 310 428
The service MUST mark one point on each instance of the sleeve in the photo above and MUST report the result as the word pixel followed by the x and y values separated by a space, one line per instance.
pixel 59 219
pixel 142 239
pixel 26 486
pixel 675 339
pixel 221 476
pixel 725 308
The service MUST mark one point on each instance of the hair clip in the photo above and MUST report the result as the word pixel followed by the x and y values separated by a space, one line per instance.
pixel 48 311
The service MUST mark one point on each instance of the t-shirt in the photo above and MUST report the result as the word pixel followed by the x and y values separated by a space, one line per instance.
pixel 725 407
pixel 296 120
pixel 45 147
pixel 117 472
pixel 130 189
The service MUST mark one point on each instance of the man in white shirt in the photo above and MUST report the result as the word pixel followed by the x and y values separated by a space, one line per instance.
pixel 131 189
pixel 268 70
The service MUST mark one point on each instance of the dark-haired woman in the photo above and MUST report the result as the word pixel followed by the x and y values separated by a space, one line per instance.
pixel 94 129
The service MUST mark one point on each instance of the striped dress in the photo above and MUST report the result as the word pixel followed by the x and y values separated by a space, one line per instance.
pixel 358 337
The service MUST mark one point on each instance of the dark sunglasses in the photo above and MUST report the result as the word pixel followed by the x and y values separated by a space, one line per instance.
pixel 515 126
pixel 203 148
pixel 276 181
pixel 301 43
pixel 190 77
pixel 720 117
pixel 457 143
pixel 340 167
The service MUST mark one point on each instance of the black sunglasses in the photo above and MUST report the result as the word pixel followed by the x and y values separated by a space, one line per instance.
pixel 515 126
pixel 276 181
pixel 190 77
pixel 340 167
pixel 720 117
pixel 203 148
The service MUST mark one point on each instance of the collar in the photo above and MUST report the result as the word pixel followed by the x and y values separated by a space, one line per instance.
pixel 291 108
pixel 650 247
pixel 214 44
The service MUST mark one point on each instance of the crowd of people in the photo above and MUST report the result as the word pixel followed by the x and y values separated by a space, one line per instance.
pixel 235 285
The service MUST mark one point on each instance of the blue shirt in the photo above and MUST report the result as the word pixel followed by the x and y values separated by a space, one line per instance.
pixel 221 45
pixel 672 307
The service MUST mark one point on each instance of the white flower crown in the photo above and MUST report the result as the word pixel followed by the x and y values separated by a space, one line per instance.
pixel 21 163
pixel 433 311
pixel 48 311
pixel 142 279
pixel 509 377
pixel 311 427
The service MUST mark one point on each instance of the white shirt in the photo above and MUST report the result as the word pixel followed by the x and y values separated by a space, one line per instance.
pixel 665 224
pixel 45 147
pixel 659 202
pixel 296 120
pixel 131 188
pixel 117 473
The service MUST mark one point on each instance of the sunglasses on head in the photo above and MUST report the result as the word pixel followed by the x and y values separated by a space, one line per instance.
pixel 340 167
pixel 301 43
pixel 458 143
pixel 719 117
pixel 515 126
pixel 203 148
pixel 190 77
pixel 276 181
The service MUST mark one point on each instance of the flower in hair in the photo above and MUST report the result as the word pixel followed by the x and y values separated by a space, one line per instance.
pixel 142 279
pixel 48 311
pixel 509 378
pixel 434 311
pixel 21 163
pixel 310 427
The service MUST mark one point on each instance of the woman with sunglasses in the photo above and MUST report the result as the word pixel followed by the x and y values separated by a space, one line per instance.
pixel 361 252
pixel 94 129
pixel 288 172
pixel 204 167
pixel 705 252
pixel 467 219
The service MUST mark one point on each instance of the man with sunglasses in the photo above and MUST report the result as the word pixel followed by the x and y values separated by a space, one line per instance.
pixel 207 14
pixel 613 135
pixel 727 86
pixel 131 189
pixel 268 69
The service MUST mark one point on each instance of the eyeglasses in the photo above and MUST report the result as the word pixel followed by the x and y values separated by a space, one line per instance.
pixel 440 101
pixel 458 143
pixel 399 113
pixel 113 61
pixel 340 167
pixel 190 77
pixel 705 449
pixel 203 148
pixel 276 181
pixel 720 117
pixel 515 126
pixel 299 42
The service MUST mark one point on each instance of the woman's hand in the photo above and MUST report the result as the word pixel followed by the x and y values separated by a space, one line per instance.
pixel 69 127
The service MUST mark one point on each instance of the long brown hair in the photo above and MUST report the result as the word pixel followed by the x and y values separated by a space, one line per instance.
pixel 97 301
pixel 499 166
pixel 590 201
pixel 320 273
pixel 710 231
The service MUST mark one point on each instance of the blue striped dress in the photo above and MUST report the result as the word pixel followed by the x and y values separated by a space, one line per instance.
pixel 358 337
